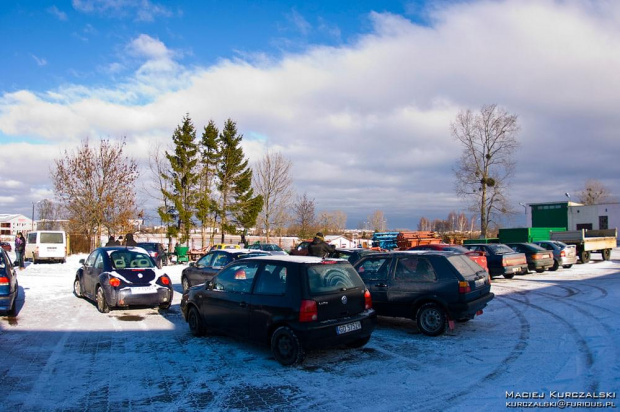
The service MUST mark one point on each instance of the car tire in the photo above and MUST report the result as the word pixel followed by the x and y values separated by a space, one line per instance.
pixel 286 347
pixel 359 342
pixel 77 287
pixel 431 319
pixel 185 284
pixel 555 266
pixel 567 266
pixel 509 275
pixel 194 321
pixel 102 305
pixel 165 306
pixel 539 270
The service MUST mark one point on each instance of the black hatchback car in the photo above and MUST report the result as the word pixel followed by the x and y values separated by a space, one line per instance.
pixel 433 288
pixel 8 284
pixel 121 276
pixel 292 303
pixel 207 266
pixel 156 251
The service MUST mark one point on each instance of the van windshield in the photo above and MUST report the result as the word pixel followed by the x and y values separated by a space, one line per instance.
pixel 51 238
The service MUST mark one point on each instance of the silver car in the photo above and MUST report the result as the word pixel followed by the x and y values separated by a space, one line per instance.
pixel 563 255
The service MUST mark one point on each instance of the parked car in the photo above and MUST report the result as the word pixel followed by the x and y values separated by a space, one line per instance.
pixel 272 248
pixel 351 254
pixel 301 249
pixel 156 251
pixel 563 255
pixel 207 266
pixel 432 288
pixel 538 258
pixel 121 276
pixel 9 288
pixel 477 256
pixel 220 246
pixel 292 303
pixel 6 246
pixel 501 260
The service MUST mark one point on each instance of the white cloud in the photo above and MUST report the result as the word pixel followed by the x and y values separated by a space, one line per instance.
pixel 367 124
pixel 60 15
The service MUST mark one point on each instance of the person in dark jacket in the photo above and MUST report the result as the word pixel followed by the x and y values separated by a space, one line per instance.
pixel 20 249
pixel 129 241
pixel 319 247
pixel 112 242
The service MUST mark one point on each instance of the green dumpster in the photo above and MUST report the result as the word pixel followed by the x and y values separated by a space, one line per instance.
pixel 181 252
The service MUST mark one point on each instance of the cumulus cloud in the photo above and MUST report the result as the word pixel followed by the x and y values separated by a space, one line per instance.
pixel 367 124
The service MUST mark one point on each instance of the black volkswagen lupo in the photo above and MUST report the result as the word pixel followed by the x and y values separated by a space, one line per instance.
pixel 293 303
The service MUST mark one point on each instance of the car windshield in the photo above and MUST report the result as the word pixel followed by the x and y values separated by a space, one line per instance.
pixel 466 267
pixel 148 246
pixel 128 259
pixel 332 277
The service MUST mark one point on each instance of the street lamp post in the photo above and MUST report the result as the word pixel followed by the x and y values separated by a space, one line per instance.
pixel 524 207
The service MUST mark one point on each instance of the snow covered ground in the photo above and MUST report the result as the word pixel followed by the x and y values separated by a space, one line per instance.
pixel 542 336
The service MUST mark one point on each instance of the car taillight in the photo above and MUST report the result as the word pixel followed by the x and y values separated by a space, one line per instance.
pixel 308 311
pixel 504 261
pixel 367 299
pixel 4 281
pixel 562 253
pixel 115 282
pixel 464 287
pixel 165 280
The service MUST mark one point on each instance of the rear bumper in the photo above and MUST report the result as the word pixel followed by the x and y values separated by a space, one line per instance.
pixel 125 298
pixel 6 302
pixel 324 334
pixel 567 260
pixel 510 270
pixel 467 310
pixel 540 264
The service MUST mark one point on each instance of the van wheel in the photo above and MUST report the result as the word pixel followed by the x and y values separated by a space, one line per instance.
pixel 286 347
pixel 431 319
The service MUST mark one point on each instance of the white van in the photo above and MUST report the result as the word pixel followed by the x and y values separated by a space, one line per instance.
pixel 46 245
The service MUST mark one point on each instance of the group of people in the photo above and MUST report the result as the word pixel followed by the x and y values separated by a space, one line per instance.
pixel 129 241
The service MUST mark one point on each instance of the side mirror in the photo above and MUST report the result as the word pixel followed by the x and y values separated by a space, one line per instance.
pixel 210 285
pixel 192 264
pixel 82 261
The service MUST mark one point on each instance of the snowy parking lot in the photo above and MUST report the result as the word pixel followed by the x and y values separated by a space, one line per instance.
pixel 549 338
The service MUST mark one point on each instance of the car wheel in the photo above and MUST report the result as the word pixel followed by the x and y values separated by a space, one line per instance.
pixel 359 343
pixel 539 270
pixel 555 266
pixel 165 306
pixel 195 322
pixel 509 275
pixel 185 284
pixel 567 266
pixel 77 288
pixel 286 347
pixel 102 305
pixel 431 319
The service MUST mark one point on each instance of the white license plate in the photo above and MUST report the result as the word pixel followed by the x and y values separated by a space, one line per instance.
pixel 479 282
pixel 349 327
pixel 141 290
pixel 515 270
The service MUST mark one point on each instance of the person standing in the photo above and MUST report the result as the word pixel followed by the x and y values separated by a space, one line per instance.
pixel 20 249
pixel 319 247
pixel 129 240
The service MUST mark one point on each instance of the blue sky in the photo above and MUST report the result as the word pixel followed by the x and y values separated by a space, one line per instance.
pixel 359 95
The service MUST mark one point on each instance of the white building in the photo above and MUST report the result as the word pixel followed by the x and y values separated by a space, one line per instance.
pixel 11 224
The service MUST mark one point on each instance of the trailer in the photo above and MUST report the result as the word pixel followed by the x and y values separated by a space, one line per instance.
pixel 589 241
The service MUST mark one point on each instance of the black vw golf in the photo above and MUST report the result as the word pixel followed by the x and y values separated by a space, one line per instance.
pixel 292 303
pixel 122 276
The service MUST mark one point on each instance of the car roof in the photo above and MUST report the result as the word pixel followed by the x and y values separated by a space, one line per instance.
pixel 295 259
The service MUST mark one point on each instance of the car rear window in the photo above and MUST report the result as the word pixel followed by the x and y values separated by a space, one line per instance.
pixel 328 278
pixel 466 267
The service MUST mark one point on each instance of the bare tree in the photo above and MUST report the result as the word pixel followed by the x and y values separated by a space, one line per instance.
pixel 96 185
pixel 273 181
pixel 462 222
pixel 424 224
pixel 332 222
pixel 304 216
pixel 594 192
pixel 377 221
pixel 50 213
pixel 486 164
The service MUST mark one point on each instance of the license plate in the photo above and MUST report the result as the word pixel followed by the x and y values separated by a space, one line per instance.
pixel 515 270
pixel 141 290
pixel 479 282
pixel 349 327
